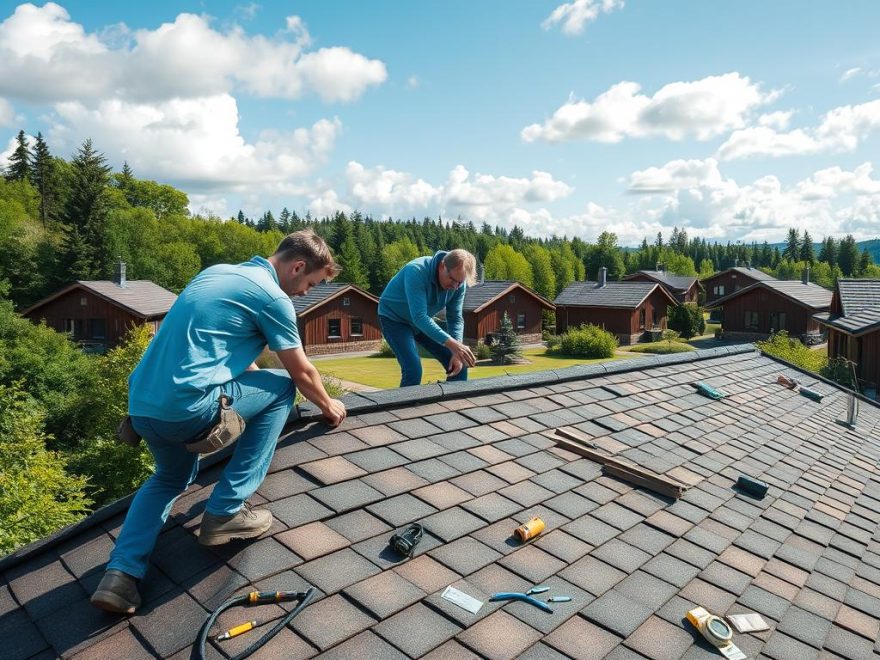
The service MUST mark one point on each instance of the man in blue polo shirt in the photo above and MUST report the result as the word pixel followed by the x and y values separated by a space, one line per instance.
pixel 206 348
pixel 414 295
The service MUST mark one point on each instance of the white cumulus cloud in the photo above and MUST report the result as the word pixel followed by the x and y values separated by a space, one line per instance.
pixel 7 113
pixel 674 175
pixel 574 16
pixel 702 109
pixel 842 129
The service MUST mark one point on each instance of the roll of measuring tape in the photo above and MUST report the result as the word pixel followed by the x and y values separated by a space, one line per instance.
pixel 716 631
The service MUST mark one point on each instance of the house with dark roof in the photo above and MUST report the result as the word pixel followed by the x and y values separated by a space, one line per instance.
pixel 683 289
pixel 337 317
pixel 773 305
pixel 472 461
pixel 486 302
pixel 853 324
pixel 99 313
pixel 628 309
pixel 733 279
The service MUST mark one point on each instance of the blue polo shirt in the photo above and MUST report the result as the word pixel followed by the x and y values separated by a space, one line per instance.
pixel 217 327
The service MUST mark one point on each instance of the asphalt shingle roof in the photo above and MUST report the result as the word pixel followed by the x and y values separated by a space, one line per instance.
pixel 141 296
pixel 806 557
pixel 627 295
pixel 809 295
pixel 678 283
pixel 860 300
pixel 482 292
pixel 320 293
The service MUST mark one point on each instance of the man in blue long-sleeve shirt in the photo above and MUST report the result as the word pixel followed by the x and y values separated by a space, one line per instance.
pixel 414 295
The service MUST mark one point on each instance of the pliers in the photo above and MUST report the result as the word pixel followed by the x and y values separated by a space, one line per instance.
pixel 506 595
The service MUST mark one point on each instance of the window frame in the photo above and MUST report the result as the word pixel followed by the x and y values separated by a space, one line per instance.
pixel 338 322
pixel 523 325
pixel 360 321
pixel 752 315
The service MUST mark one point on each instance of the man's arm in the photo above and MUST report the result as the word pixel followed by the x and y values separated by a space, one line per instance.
pixel 418 306
pixel 308 381
pixel 455 314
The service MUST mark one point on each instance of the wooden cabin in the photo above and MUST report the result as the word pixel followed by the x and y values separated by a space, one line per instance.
pixel 486 302
pixel 770 306
pixel 98 314
pixel 337 318
pixel 731 280
pixel 682 289
pixel 628 309
pixel 853 325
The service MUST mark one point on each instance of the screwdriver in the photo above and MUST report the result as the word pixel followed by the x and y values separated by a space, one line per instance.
pixel 238 630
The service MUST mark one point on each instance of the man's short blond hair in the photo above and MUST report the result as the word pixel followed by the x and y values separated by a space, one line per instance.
pixel 457 257
pixel 305 244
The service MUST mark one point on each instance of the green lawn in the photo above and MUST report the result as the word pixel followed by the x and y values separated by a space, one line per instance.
pixel 384 373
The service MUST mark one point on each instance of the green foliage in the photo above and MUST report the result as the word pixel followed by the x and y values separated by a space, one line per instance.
pixel 782 346
pixel 37 496
pixel 331 383
pixel 542 268
pixel 687 320
pixel 587 341
pixel 506 347
pixel 662 348
pixel 397 254
pixel 19 168
pixel 349 257
pixel 605 253
pixel 482 352
pixel 840 370
pixel 505 263
pixel 384 350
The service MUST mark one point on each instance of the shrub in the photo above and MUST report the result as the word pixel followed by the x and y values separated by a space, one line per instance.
pixel 506 347
pixel 384 350
pixel 662 348
pixel 482 352
pixel 552 342
pixel 687 320
pixel 785 348
pixel 588 341
pixel 840 370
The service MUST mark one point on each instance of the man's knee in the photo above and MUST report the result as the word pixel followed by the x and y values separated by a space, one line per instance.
pixel 410 375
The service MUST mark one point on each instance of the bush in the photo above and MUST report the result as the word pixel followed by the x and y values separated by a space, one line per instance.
pixel 840 370
pixel 506 348
pixel 552 342
pixel 662 348
pixel 384 350
pixel 482 352
pixel 781 346
pixel 588 341
pixel 687 320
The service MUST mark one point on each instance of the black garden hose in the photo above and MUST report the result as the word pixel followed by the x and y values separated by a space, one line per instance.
pixel 256 598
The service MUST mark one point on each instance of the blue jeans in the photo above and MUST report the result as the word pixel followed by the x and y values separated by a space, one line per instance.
pixel 402 338
pixel 264 399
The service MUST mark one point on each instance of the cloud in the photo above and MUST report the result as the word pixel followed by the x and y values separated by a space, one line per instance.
pixel 7 113
pixel 413 82
pixel 195 143
pixel 702 108
pixel 49 58
pixel 674 175
pixel 327 203
pixel 779 120
pixel 575 15
pixel 841 130
pixel 850 73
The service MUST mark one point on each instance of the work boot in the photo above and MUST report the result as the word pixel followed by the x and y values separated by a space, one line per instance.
pixel 117 592
pixel 245 524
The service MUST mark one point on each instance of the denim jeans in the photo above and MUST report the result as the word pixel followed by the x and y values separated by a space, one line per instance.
pixel 264 399
pixel 402 338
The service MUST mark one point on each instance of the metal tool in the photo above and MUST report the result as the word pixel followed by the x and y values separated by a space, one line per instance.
pixel 537 590
pixel 505 595
pixel 559 599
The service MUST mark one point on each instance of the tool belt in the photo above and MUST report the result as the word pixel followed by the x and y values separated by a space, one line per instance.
pixel 227 430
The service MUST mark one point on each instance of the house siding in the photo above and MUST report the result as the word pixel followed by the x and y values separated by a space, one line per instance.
pixel 624 323
pixel 488 320
pixel 731 281
pixel 798 319
pixel 314 325
pixel 691 295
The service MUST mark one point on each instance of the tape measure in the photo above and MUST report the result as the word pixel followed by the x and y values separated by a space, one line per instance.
pixel 716 631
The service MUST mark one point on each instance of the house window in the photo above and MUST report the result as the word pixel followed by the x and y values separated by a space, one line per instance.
pixel 777 321
pixel 83 301
pixel 520 320
pixel 718 290
pixel 357 326
pixel 98 328
pixel 346 302
pixel 751 321
pixel 334 328
pixel 511 298
pixel 69 326
pixel 642 318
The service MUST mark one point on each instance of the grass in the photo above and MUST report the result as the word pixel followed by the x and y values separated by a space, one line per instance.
pixel 662 348
pixel 384 373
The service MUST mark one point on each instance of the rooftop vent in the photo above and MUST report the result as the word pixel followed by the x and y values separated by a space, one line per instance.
pixel 119 275
pixel 603 277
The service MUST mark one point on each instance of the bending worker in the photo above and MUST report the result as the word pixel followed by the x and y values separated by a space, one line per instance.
pixel 202 359
pixel 414 295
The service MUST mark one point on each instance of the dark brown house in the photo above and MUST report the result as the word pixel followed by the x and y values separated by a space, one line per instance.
pixel 853 325
pixel 773 305
pixel 731 280
pixel 628 309
pixel 683 289
pixel 99 313
pixel 336 318
pixel 486 302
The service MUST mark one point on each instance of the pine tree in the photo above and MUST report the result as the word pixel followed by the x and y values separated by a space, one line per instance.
pixel 828 253
pixel 792 246
pixel 864 261
pixel 19 168
pixel 848 256
pixel 353 270
pixel 807 254
pixel 44 178
pixel 506 348
pixel 284 220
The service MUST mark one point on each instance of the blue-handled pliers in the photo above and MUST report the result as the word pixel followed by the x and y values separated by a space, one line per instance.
pixel 506 595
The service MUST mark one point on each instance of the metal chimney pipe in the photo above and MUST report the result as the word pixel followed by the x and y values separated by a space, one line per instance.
pixel 603 276
pixel 119 276
pixel 806 276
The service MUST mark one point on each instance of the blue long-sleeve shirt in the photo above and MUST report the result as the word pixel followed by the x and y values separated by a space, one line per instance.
pixel 414 296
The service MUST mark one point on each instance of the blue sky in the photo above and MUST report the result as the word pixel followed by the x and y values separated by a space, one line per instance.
pixel 732 120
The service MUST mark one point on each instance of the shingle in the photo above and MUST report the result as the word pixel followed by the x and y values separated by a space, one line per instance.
pixel 564 546
pixel 499 635
pixel 657 638
pixel 491 507
pixel 426 573
pixel 532 563
pixel 330 621
pixel 442 495
pixel 384 594
pixel 417 630
pixel 847 645
pixel 621 555
pixel 617 613
pixel 465 555
pixel 592 575
pixel 452 523
pixel 363 645
pixel 394 481
pixel 590 530
pixel 539 619
pixel 336 571
pixel 569 638
pixel 312 540
pixel 783 647
pixel 153 624
pixel 346 496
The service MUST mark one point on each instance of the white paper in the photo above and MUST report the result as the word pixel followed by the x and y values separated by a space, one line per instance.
pixel 747 622
pixel 461 599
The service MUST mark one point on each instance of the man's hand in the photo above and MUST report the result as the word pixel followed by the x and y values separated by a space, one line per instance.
pixel 455 367
pixel 334 412
pixel 461 352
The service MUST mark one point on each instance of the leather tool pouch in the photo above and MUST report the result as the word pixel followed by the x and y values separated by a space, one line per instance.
pixel 126 434
pixel 228 429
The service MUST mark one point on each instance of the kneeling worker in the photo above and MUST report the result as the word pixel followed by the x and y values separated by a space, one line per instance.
pixel 204 352
pixel 414 295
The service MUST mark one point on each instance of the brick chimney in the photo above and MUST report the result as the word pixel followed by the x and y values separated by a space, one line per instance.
pixel 119 275
pixel 603 277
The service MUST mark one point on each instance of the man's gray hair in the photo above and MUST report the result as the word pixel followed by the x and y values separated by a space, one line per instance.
pixel 458 256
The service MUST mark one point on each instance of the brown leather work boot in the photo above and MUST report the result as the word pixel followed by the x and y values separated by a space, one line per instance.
pixel 117 592
pixel 245 524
